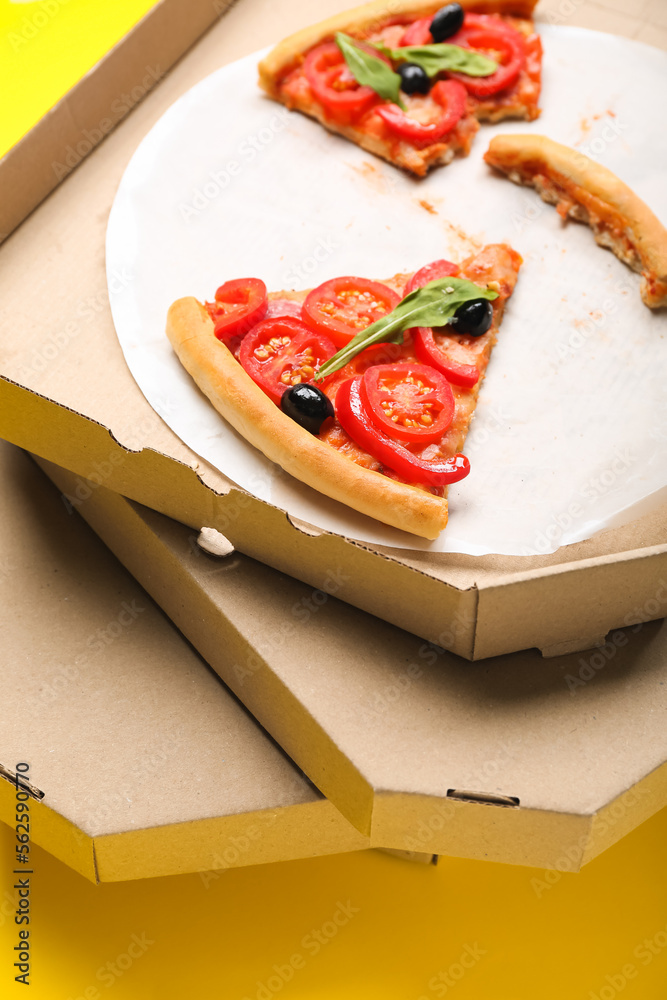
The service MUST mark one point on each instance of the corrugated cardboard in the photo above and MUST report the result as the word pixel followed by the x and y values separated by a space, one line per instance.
pixel 514 759
pixel 92 108
pixel 143 762
pixel 66 394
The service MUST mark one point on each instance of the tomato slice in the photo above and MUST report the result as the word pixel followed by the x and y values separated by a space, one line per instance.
pixel 491 35
pixel 450 95
pixel 431 272
pixel 333 85
pixel 238 306
pixel 426 348
pixel 354 419
pixel 410 402
pixel 342 307
pixel 281 352
pixel 435 354
pixel 419 33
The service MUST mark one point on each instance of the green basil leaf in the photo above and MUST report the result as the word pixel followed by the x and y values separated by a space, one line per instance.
pixel 438 57
pixel 432 305
pixel 370 70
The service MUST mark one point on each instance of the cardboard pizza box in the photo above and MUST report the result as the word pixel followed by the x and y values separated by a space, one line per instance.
pixel 59 136
pixel 515 759
pixel 67 395
pixel 140 760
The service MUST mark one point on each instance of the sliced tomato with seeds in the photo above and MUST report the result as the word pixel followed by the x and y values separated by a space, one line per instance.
pixel 431 272
pixel 493 37
pixel 356 421
pixel 333 84
pixel 340 308
pixel 282 352
pixel 409 401
pixel 439 112
pixel 238 306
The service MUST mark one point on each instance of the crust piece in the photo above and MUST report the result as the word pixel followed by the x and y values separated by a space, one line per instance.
pixel 586 191
pixel 246 407
pixel 363 19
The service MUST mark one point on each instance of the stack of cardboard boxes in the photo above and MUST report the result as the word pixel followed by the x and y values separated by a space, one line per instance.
pixel 506 708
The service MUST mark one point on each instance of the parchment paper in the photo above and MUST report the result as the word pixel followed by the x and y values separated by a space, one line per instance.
pixel 570 433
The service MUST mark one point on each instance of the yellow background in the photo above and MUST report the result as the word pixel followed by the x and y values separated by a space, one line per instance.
pixel 540 941
pixel 47 46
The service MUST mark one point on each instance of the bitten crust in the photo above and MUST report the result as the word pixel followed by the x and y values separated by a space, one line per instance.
pixel 361 19
pixel 589 192
pixel 243 404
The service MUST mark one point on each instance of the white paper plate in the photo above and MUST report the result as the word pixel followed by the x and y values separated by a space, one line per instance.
pixel 570 433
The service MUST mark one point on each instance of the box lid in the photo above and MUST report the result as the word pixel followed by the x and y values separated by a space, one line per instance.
pixel 145 764
pixel 515 759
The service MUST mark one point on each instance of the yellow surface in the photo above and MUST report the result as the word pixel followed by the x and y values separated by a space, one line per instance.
pixel 47 46
pixel 525 935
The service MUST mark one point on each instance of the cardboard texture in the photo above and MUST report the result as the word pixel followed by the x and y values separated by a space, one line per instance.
pixel 514 759
pixel 66 394
pixel 81 119
pixel 143 762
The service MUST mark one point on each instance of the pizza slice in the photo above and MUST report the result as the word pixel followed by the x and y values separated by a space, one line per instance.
pixel 346 387
pixel 584 190
pixel 410 82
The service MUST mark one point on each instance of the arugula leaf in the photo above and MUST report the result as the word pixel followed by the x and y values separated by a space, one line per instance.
pixel 370 70
pixel 440 56
pixel 432 305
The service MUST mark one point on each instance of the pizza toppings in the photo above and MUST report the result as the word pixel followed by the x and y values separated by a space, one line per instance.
pixel 434 305
pixel 474 318
pixel 239 305
pixel 371 65
pixel 308 405
pixel 356 421
pixel 283 352
pixel 340 308
pixel 441 355
pixel 430 272
pixel 333 84
pixel 411 402
pixel 388 381
pixel 370 68
pixel 382 431
pixel 446 22
pixel 445 109
pixel 491 35
pixel 419 33
pixel 414 79
pixel 357 80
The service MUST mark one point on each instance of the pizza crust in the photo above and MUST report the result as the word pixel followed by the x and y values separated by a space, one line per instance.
pixel 246 407
pixel 362 19
pixel 590 193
